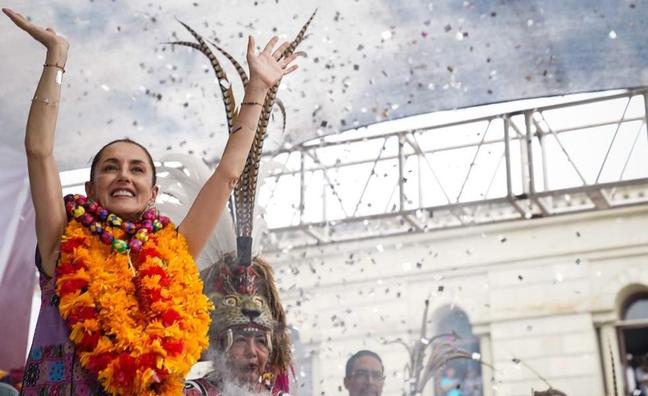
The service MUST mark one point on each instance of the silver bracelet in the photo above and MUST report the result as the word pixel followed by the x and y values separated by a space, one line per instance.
pixel 59 72
pixel 42 100
pixel 59 76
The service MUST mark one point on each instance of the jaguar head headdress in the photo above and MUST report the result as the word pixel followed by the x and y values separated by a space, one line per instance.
pixel 249 302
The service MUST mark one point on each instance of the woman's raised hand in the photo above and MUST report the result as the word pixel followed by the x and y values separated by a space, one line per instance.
pixel 39 142
pixel 57 46
pixel 267 68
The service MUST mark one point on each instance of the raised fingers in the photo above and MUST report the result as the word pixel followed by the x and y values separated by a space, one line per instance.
pixel 290 69
pixel 251 45
pixel 280 50
pixel 46 36
pixel 16 18
pixel 23 23
pixel 286 61
pixel 268 48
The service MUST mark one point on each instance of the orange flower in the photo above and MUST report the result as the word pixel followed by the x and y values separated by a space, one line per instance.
pixel 128 329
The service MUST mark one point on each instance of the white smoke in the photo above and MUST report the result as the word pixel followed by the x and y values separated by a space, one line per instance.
pixel 227 380
pixel 232 389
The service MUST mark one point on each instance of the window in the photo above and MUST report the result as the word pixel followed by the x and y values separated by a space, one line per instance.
pixel 633 339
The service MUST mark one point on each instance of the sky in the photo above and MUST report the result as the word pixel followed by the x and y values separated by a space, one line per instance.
pixel 363 62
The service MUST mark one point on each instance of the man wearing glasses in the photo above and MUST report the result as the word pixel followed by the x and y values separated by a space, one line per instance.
pixel 365 374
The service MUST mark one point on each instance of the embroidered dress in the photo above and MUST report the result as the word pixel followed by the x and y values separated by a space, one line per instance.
pixel 52 366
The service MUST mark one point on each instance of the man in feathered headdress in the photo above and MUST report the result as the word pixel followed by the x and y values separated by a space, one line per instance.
pixel 251 349
pixel 249 345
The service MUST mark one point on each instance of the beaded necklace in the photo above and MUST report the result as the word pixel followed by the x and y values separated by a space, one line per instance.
pixel 96 218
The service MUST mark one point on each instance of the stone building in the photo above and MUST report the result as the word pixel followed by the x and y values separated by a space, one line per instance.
pixel 551 292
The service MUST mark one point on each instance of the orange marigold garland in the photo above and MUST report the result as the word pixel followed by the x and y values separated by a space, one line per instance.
pixel 137 316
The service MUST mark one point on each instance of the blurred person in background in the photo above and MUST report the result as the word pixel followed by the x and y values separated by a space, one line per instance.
pixel 365 374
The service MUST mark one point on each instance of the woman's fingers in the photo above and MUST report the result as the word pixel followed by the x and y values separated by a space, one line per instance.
pixel 16 18
pixel 268 64
pixel 268 48
pixel 280 50
pixel 285 62
pixel 46 36
pixel 24 24
pixel 10 13
pixel 19 19
pixel 290 69
pixel 251 45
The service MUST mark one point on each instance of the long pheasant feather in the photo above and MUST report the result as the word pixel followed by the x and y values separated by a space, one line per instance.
pixel 223 82
pixel 282 110
pixel 239 69
pixel 244 194
pixel 246 189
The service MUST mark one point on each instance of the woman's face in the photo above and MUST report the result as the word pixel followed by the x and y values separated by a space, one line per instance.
pixel 123 181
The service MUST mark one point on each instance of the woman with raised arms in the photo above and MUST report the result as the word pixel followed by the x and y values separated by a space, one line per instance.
pixel 122 307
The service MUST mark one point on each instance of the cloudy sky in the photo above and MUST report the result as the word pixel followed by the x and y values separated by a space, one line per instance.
pixel 366 61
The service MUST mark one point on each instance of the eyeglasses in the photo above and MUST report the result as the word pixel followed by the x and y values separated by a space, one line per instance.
pixel 366 374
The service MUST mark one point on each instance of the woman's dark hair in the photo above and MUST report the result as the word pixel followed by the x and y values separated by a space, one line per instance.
pixel 356 356
pixel 97 157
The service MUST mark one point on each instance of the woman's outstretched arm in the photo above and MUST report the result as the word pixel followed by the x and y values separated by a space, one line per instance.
pixel 265 71
pixel 39 142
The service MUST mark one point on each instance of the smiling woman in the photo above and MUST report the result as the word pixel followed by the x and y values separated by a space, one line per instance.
pixel 122 177
pixel 122 305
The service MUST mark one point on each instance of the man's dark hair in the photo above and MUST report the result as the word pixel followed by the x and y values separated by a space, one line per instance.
pixel 356 356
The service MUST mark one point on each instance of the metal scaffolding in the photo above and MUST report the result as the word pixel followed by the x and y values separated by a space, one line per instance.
pixel 575 156
pixel 580 155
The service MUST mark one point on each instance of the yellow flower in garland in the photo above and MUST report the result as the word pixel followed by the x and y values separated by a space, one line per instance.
pixel 138 317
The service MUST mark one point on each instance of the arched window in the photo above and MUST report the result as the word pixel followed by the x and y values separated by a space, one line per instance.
pixel 636 308
pixel 633 337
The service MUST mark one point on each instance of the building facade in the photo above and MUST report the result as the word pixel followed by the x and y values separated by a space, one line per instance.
pixel 544 298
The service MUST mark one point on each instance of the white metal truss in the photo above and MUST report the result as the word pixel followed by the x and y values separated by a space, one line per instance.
pixel 575 156
pixel 572 157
